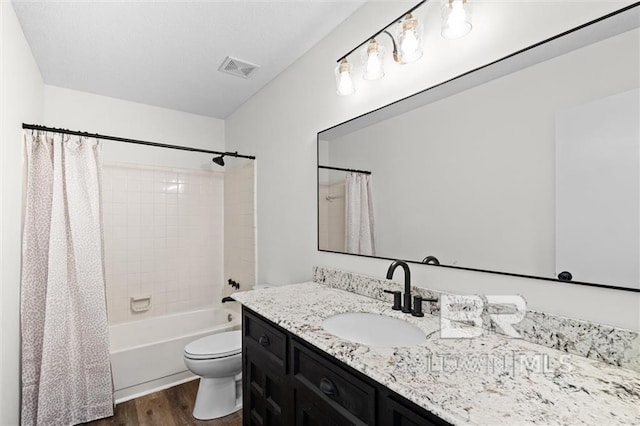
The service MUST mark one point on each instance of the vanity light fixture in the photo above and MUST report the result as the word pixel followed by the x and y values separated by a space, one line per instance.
pixel 407 47
pixel 405 33
pixel 456 18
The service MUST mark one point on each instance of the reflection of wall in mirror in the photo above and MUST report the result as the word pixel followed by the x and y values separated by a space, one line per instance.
pixel 470 179
pixel 598 215
pixel 331 205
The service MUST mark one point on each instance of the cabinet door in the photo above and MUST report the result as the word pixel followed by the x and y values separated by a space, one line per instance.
pixel 312 411
pixel 264 389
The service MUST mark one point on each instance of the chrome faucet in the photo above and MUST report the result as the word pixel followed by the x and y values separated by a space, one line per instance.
pixel 406 307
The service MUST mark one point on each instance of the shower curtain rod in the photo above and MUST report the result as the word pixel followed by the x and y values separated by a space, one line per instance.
pixel 364 172
pixel 134 141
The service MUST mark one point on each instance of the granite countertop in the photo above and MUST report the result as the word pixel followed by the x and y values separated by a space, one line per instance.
pixel 488 380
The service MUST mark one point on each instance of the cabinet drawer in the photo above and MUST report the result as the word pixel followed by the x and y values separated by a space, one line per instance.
pixel 265 335
pixel 333 383
pixel 309 410
pixel 397 411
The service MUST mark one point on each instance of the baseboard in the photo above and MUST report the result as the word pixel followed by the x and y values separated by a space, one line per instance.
pixel 142 389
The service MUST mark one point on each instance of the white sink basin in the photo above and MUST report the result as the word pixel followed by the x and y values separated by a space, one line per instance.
pixel 374 330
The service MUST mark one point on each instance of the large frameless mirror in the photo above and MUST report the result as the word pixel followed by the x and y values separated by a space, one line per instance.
pixel 528 166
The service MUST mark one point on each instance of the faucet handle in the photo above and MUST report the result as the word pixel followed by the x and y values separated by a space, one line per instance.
pixel 417 306
pixel 397 299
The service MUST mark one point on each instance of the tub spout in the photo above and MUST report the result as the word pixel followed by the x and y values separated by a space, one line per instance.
pixel 228 299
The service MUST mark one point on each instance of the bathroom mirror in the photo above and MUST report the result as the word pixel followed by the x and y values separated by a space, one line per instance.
pixel 528 166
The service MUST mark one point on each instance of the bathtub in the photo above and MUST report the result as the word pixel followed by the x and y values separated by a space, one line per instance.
pixel 147 355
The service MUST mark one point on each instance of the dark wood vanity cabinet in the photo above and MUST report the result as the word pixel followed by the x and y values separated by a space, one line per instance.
pixel 286 381
pixel 265 386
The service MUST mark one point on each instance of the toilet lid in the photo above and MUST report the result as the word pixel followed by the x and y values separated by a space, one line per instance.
pixel 215 346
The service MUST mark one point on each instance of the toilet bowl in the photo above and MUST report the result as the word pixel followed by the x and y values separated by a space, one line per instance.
pixel 217 359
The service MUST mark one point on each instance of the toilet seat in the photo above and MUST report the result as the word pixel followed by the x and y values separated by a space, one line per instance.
pixel 219 345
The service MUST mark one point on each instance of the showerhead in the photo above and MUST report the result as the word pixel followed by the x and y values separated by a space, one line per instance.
pixel 219 160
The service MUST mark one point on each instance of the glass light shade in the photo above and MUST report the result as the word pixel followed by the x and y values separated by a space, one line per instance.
pixel 373 61
pixel 344 83
pixel 410 40
pixel 456 19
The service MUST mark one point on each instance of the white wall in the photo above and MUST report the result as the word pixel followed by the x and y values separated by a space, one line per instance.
pixel 280 123
pixel 84 111
pixel 21 101
pixel 477 169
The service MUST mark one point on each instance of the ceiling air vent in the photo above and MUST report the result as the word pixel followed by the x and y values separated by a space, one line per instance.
pixel 238 67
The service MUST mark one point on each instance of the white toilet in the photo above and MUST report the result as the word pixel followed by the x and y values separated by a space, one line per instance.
pixel 217 359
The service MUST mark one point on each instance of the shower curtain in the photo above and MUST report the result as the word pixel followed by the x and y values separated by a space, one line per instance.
pixel 359 230
pixel 66 370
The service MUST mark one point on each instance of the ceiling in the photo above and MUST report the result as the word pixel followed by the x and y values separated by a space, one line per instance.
pixel 168 53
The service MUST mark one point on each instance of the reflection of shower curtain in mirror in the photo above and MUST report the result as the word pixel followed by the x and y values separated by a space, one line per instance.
pixel 359 230
pixel 66 370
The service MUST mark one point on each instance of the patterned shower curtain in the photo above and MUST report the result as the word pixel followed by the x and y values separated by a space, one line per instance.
pixel 66 370
pixel 359 230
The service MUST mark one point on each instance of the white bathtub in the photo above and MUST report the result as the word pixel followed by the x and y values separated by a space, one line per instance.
pixel 147 355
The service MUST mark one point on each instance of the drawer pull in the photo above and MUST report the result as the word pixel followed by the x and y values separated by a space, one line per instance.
pixel 327 387
pixel 264 340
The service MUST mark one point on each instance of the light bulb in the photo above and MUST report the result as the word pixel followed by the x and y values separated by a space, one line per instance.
pixel 373 61
pixel 344 83
pixel 456 19
pixel 409 38
pixel 409 44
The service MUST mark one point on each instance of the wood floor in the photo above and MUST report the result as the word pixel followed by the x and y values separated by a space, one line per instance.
pixel 170 407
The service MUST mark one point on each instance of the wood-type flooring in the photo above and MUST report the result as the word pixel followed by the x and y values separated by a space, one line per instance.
pixel 170 407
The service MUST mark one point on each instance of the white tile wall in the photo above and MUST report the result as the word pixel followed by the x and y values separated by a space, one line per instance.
pixel 164 237
pixel 240 227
